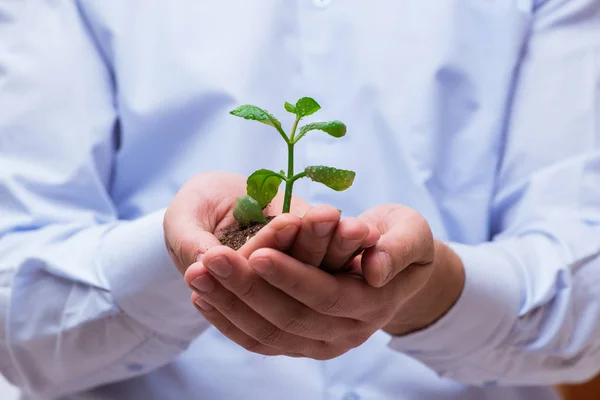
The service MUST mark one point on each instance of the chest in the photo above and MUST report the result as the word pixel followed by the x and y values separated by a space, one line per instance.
pixel 422 85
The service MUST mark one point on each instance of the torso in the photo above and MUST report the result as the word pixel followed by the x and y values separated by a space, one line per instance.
pixel 425 110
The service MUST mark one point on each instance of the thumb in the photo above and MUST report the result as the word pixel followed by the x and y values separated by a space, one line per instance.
pixel 186 239
pixel 405 239
pixel 200 209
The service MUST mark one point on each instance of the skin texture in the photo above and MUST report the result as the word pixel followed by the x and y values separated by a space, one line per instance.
pixel 271 298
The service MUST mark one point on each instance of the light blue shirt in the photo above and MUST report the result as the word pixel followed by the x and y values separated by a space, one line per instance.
pixel 482 115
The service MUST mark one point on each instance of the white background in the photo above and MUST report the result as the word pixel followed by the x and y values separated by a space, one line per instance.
pixel 7 392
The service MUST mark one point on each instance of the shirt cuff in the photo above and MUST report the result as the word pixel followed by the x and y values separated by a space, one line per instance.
pixel 144 281
pixel 483 316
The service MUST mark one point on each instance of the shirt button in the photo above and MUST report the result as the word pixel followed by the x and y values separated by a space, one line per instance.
pixel 322 3
pixel 351 396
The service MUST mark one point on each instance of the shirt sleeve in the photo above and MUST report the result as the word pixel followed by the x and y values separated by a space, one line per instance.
pixel 530 310
pixel 85 298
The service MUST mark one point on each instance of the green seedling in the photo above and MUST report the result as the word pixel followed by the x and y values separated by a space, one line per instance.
pixel 263 185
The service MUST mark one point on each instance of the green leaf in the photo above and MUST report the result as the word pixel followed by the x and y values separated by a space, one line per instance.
pixel 336 179
pixel 263 185
pixel 336 129
pixel 256 114
pixel 247 211
pixel 290 107
pixel 306 106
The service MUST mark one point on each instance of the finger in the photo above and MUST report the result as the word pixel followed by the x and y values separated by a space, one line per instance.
pixel 254 325
pixel 341 295
pixel 408 240
pixel 373 236
pixel 185 250
pixel 349 237
pixel 278 234
pixel 313 240
pixel 232 271
pixel 231 331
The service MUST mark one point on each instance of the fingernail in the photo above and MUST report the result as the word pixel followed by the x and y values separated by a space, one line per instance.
pixel 263 266
pixel 199 258
pixel 220 266
pixel 204 305
pixel 203 284
pixel 324 228
pixel 385 262
pixel 286 234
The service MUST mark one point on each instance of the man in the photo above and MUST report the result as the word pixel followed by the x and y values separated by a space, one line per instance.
pixel 473 129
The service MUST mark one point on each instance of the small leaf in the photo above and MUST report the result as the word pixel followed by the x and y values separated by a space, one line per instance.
pixel 306 106
pixel 262 185
pixel 247 211
pixel 256 114
pixel 336 129
pixel 290 107
pixel 336 179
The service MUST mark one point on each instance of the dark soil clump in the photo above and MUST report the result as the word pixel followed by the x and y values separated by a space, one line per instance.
pixel 235 236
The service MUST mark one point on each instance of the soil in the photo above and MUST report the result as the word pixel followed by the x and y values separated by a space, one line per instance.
pixel 235 236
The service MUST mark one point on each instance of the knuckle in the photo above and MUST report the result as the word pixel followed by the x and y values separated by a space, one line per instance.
pixel 249 291
pixel 298 323
pixel 382 314
pixel 228 304
pixel 403 254
pixel 295 286
pixel 332 305
pixel 358 337
pixel 177 246
pixel 228 329
pixel 253 345
pixel 269 335
pixel 330 334
pixel 185 251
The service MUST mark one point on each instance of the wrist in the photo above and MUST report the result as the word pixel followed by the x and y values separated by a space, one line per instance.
pixel 436 298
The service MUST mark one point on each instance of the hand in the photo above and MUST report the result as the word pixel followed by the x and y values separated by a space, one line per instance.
pixel 274 304
pixel 204 206
pixel 424 277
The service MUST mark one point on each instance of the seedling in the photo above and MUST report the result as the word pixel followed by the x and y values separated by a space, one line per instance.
pixel 263 185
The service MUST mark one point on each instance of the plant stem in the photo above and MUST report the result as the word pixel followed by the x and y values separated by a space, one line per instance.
pixel 289 182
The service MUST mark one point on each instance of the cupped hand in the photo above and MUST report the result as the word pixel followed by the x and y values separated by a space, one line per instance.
pixel 274 303
pixel 204 206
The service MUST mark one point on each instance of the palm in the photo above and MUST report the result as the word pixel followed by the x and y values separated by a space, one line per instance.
pixel 202 208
